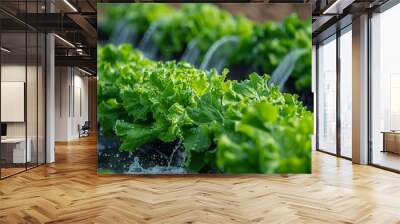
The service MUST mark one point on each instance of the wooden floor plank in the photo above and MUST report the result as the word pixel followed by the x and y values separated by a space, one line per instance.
pixel 70 191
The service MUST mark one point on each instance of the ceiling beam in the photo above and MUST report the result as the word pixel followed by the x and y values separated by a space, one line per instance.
pixel 78 61
pixel 49 22
pixel 86 27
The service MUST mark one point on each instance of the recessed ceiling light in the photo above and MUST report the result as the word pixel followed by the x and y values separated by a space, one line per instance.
pixel 86 72
pixel 70 5
pixel 64 40
pixel 5 50
pixel 337 7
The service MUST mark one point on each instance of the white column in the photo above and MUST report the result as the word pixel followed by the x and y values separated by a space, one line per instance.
pixel 50 100
pixel 360 90
pixel 50 92
pixel 313 90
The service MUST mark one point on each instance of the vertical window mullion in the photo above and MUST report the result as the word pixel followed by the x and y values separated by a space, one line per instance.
pixel 317 96
pixel 0 93
pixel 37 89
pixel 338 74
pixel 369 91
pixel 26 85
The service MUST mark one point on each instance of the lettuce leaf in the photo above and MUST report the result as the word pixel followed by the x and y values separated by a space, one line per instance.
pixel 225 126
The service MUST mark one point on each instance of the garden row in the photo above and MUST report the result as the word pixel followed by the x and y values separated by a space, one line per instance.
pixel 261 47
pixel 223 126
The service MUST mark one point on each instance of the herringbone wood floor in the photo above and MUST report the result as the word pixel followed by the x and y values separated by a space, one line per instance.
pixel 70 191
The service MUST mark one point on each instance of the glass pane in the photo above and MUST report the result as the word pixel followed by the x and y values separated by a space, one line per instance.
pixel 32 87
pixel 346 94
pixel 385 84
pixel 327 96
pixel 13 86
pixel 41 99
pixel 32 97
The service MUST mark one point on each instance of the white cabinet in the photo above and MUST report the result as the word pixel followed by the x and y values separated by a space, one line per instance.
pixel 18 145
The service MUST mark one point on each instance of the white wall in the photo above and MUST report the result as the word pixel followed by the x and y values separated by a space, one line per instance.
pixel 70 83
pixel 80 94
pixel 62 81
pixel 14 72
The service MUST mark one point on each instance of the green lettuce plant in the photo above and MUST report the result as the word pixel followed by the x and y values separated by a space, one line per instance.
pixel 225 126
pixel 138 15
pixel 271 42
pixel 262 46
pixel 204 22
pixel 116 67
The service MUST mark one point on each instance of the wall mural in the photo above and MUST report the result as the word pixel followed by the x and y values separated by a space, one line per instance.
pixel 183 89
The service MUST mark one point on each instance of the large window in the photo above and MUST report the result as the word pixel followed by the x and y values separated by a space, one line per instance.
pixel 334 106
pixel 13 88
pixel 385 89
pixel 345 92
pixel 326 60
pixel 22 95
